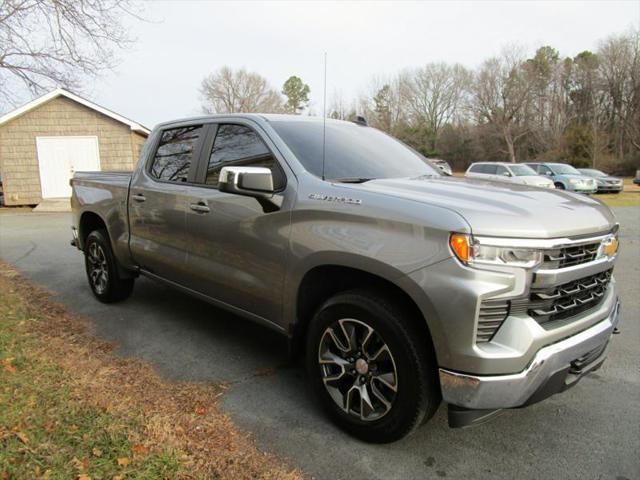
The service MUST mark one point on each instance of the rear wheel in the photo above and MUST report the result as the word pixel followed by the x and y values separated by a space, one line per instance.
pixel 374 374
pixel 102 269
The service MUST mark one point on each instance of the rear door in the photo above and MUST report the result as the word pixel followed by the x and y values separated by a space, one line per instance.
pixel 490 172
pixel 159 198
pixel 237 250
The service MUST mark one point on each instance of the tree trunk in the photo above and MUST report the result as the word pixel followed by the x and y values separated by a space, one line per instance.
pixel 508 138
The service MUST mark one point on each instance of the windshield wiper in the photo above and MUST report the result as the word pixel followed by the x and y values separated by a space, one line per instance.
pixel 351 180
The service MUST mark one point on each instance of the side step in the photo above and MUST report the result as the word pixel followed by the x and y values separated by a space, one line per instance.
pixel 460 417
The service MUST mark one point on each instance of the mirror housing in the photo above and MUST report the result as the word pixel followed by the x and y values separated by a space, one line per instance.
pixel 506 174
pixel 247 181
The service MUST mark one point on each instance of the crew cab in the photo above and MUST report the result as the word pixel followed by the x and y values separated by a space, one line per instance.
pixel 400 286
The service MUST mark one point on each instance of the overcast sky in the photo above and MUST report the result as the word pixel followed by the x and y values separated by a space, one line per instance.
pixel 159 77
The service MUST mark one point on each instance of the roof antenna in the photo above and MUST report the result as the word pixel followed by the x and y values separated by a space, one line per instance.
pixel 324 114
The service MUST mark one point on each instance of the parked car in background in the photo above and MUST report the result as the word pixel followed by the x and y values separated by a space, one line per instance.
pixel 566 177
pixel 606 183
pixel 442 165
pixel 508 172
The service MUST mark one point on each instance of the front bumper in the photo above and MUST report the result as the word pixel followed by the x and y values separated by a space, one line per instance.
pixel 553 369
pixel 609 188
pixel 581 189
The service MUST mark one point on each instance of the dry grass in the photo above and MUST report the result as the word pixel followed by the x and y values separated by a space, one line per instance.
pixel 162 429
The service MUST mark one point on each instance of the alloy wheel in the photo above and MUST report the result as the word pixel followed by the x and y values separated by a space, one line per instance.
pixel 98 269
pixel 358 369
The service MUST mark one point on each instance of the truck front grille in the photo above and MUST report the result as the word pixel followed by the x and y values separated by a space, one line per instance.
pixel 570 256
pixel 492 314
pixel 567 300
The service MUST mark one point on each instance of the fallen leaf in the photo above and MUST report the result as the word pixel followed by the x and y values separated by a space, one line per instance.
pixel 117 477
pixel 123 462
pixel 23 438
pixel 139 449
pixel 6 363
pixel 200 410
pixel 96 452
pixel 83 476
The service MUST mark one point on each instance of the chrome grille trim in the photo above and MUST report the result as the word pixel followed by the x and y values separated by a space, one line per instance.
pixel 564 301
pixel 570 255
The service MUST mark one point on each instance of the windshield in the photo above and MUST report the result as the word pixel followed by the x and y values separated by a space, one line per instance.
pixel 562 169
pixel 522 170
pixel 352 151
pixel 592 172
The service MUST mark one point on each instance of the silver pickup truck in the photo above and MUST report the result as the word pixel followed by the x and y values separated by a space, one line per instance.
pixel 401 287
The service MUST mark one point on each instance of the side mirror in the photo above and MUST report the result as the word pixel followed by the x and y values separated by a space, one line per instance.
pixel 256 182
pixel 247 181
pixel 506 174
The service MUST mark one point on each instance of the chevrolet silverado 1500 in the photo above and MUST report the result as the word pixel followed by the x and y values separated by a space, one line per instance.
pixel 402 287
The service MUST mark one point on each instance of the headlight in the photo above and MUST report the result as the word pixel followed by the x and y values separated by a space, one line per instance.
pixel 575 181
pixel 474 253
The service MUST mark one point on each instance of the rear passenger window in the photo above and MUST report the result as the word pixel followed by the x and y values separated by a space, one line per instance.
pixel 239 145
pixel 475 168
pixel 173 157
pixel 490 169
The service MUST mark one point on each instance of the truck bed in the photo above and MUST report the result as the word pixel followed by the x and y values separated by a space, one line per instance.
pixel 104 194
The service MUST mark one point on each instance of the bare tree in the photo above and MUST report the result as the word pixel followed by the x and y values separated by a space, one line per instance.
pixel 46 43
pixel 619 69
pixel 383 105
pixel 229 91
pixel 501 93
pixel 434 94
pixel 339 109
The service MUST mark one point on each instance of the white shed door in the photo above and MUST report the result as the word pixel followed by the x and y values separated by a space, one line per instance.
pixel 59 157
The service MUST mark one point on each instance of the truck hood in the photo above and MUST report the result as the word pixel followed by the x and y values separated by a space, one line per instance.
pixel 503 209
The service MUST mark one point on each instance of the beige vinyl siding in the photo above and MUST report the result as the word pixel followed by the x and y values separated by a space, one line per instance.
pixel 59 117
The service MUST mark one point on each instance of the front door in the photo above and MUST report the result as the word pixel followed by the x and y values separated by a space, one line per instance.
pixel 60 157
pixel 237 251
pixel 158 200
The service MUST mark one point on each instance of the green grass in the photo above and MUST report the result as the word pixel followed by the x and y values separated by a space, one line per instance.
pixel 623 199
pixel 47 431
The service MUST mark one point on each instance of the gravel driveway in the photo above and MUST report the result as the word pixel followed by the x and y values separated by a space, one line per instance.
pixel 590 432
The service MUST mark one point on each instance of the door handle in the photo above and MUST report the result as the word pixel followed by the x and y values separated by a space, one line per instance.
pixel 138 197
pixel 199 207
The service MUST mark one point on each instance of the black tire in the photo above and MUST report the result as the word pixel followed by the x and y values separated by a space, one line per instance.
pixel 97 250
pixel 418 391
pixel 559 186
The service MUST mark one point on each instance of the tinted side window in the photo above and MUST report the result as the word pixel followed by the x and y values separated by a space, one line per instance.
pixel 475 168
pixel 501 170
pixel 239 145
pixel 544 170
pixel 173 157
pixel 490 169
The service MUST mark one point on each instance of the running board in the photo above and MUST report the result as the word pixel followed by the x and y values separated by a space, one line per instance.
pixel 460 417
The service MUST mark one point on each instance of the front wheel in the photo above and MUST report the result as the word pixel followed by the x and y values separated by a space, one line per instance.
pixel 102 269
pixel 373 373
pixel 559 186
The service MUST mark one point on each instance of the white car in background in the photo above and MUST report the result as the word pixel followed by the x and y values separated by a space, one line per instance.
pixel 508 172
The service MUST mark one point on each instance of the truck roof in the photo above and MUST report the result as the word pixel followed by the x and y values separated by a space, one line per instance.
pixel 269 117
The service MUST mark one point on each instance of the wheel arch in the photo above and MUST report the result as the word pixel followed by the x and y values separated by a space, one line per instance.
pixel 89 221
pixel 321 282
